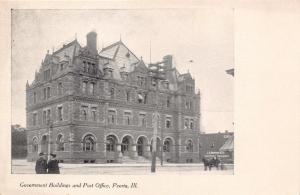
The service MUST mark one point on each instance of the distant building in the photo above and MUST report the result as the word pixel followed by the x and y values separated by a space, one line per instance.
pixel 210 145
pixel 98 107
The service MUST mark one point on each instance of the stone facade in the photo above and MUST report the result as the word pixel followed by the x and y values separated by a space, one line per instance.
pixel 99 106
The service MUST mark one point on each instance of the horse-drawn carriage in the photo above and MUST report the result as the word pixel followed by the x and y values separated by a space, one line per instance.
pixel 213 162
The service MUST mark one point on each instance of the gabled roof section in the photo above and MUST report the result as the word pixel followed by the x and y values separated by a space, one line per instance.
pixel 111 51
pixel 69 50
pixel 141 67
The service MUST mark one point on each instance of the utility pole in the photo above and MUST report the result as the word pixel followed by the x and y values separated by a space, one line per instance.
pixel 157 72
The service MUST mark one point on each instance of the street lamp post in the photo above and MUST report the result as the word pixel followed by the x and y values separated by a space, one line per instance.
pixel 157 72
pixel 50 127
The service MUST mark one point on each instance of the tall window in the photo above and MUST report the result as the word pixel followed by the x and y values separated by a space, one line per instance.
pixel 167 145
pixel 111 117
pixel 93 111
pixel 44 117
pixel 168 102
pixel 92 88
pixel 110 143
pixel 34 119
pixel 34 97
pixel 48 92
pixel 84 84
pixel 47 75
pixel 84 113
pixel 84 66
pixel 127 118
pixel 60 143
pixel 112 93
pixel 89 143
pixel 168 122
pixel 35 144
pixel 48 116
pixel 140 98
pixel 127 96
pixel 145 98
pixel 45 93
pixel 60 113
pixel 191 124
pixel 94 68
pixel 60 88
pixel 188 104
pixel 189 146
pixel 142 120
pixel 186 123
pixel 88 67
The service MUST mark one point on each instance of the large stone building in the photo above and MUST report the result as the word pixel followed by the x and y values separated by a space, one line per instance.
pixel 91 106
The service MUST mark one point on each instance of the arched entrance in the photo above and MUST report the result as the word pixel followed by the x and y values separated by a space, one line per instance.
pixel 158 144
pixel 111 148
pixel 126 146
pixel 44 144
pixel 142 144
pixel 169 149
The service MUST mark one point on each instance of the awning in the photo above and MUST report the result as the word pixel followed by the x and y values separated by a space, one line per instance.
pixel 228 145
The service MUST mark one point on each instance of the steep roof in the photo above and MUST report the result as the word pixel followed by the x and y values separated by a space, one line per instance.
pixel 112 50
pixel 122 58
pixel 70 50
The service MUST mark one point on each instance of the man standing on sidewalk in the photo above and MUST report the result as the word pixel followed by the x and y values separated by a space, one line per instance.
pixel 53 167
pixel 41 164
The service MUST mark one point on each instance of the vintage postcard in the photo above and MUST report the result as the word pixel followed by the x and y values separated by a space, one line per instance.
pixel 132 98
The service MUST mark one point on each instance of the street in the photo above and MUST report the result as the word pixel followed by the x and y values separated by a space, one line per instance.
pixel 24 167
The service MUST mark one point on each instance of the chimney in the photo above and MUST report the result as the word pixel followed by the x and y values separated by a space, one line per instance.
pixel 168 61
pixel 91 42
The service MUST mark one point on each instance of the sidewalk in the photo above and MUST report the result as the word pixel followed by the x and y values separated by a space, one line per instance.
pixel 24 167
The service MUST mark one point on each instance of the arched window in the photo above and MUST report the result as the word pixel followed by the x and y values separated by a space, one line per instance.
pixel 84 114
pixel 60 143
pixel 110 143
pixel 89 143
pixel 167 145
pixel 35 144
pixel 189 146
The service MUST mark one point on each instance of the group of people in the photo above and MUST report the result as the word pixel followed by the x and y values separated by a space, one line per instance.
pixel 44 167
pixel 214 162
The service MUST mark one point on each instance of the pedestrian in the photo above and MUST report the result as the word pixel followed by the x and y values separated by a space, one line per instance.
pixel 53 167
pixel 205 163
pixel 41 164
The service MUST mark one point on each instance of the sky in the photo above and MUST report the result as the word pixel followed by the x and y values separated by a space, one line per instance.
pixel 204 36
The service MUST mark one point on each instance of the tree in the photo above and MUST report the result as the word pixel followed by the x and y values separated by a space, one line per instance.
pixel 18 142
